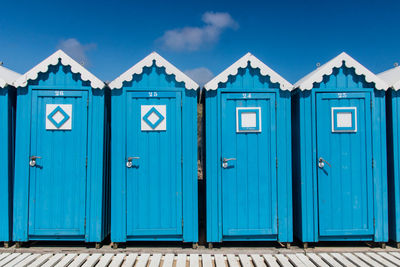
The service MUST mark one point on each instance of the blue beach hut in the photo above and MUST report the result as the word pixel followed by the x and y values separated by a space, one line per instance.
pixel 339 154
pixel 392 77
pixel 248 154
pixel 7 133
pixel 154 154
pixel 61 187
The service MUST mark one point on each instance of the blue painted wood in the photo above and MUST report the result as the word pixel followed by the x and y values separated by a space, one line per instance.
pixel 358 211
pixel 250 206
pixel 65 197
pixel 7 130
pixel 156 199
pixel 393 146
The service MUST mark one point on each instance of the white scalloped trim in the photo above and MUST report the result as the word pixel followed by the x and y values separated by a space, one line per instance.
pixel 307 83
pixel 254 63
pixel 2 83
pixel 66 60
pixel 170 69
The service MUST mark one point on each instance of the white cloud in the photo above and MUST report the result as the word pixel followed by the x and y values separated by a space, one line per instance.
pixel 200 75
pixel 76 50
pixel 194 38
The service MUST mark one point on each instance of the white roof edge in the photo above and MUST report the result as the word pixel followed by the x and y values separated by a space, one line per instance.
pixel 7 76
pixel 316 76
pixel 66 60
pixel 254 63
pixel 392 77
pixel 148 62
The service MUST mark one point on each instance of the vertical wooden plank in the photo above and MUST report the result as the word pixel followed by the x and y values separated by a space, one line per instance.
pixel 155 260
pixel 143 259
pixel 219 260
pixel 193 260
pixel 168 260
pixel 181 260
pixel 244 259
pixel 232 260
pixel 118 259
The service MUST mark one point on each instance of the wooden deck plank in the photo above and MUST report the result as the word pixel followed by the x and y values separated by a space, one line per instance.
pixel 53 260
pixel 155 260
pixel 271 260
pixel 244 260
pixel 9 258
pixel 283 261
pixel 294 260
pixel 130 260
pixel 194 260
pixel 367 259
pixel 117 260
pixel 168 260
pixel 328 259
pixel 232 260
pixel 42 259
pixel 258 260
pixel 78 261
pixel 206 260
pixel 105 260
pixel 390 258
pixel 143 260
pixel 66 260
pixel 181 260
pixel 316 259
pixel 219 260
pixel 305 260
pixel 380 259
pixel 28 260
pixel 92 260
pixel 342 260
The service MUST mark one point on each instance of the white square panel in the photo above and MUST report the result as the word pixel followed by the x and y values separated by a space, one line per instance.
pixel 153 117
pixel 58 116
pixel 344 119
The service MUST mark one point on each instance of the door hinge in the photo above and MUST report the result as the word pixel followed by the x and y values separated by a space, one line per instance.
pixel 373 163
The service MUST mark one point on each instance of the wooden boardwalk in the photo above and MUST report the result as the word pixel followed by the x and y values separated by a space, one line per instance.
pixel 323 259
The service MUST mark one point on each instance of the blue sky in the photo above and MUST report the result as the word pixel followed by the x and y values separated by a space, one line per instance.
pixel 201 37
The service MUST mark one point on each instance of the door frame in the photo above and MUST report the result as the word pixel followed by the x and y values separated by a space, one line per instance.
pixel 157 94
pixel 32 172
pixel 369 151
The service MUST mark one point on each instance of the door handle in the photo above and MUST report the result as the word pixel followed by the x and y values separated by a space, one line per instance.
pixel 32 160
pixel 129 161
pixel 225 162
pixel 321 163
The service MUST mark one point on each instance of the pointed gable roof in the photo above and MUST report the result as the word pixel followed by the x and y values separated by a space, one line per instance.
pixel 242 63
pixel 307 82
pixel 392 77
pixel 7 76
pixel 66 60
pixel 170 69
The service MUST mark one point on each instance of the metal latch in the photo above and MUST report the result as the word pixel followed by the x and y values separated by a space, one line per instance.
pixel 225 162
pixel 32 160
pixel 129 161
pixel 321 163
